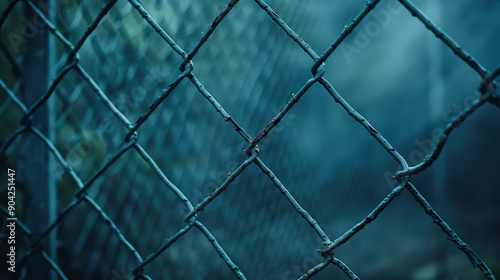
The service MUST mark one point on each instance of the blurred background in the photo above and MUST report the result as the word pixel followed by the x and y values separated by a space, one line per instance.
pixel 391 69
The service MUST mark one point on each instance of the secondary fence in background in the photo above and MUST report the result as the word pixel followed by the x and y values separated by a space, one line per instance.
pixel 61 172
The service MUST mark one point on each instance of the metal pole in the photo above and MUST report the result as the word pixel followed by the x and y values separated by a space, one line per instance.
pixel 40 190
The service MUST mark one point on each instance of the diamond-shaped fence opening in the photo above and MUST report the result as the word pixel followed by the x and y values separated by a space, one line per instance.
pixel 245 139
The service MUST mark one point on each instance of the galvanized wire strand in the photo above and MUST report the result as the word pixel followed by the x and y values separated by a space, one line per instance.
pixel 57 155
pixel 489 86
pixel 443 138
pixel 316 269
pixel 50 26
pixel 368 219
pixel 104 167
pixel 19 223
pixel 106 7
pixel 53 265
pixel 370 5
pixel 364 122
pixel 104 98
pixel 5 106
pixel 166 92
pixel 49 93
pixel 282 24
pixel 167 243
pixel 230 178
pixel 6 12
pixel 220 110
pixel 350 274
pixel 205 35
pixel 452 236
pixel 114 228
pixel 314 225
pixel 295 98
pixel 145 15
pixel 322 265
pixel 447 40
pixel 12 138
pixel 13 96
pixel 493 75
pixel 234 268
pixel 162 176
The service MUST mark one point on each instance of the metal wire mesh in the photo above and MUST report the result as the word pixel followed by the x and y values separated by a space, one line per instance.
pixel 122 119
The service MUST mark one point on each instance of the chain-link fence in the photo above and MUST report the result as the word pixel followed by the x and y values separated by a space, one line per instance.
pixel 139 148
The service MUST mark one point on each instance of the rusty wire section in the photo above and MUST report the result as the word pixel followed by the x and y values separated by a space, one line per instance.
pixel 186 74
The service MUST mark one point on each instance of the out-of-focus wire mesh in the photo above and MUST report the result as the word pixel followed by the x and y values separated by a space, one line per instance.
pixel 146 129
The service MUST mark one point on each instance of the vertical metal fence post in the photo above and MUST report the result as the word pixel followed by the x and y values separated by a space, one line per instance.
pixel 40 192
